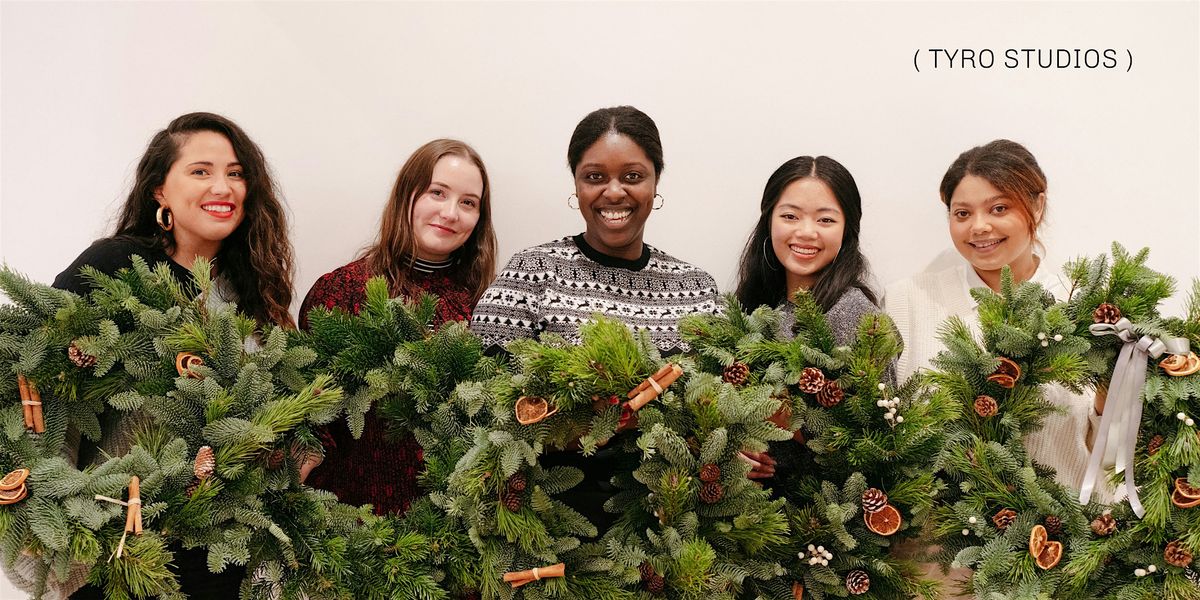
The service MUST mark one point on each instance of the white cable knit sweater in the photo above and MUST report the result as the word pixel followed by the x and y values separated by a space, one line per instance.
pixel 919 305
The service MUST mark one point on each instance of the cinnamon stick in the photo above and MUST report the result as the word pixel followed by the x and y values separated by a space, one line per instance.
pixel 39 422
pixel 23 385
pixel 133 517
pixel 645 384
pixel 648 394
pixel 520 578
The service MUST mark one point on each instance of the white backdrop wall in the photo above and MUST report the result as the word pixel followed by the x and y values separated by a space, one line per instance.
pixel 338 94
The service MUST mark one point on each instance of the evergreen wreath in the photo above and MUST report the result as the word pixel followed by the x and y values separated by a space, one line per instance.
pixel 218 427
pixel 1023 534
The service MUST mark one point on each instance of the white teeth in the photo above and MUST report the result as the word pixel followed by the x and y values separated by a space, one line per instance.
pixel 220 208
pixel 987 244
pixel 804 251
pixel 616 215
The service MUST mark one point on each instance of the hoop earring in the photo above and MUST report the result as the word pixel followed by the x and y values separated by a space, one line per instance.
pixel 576 207
pixel 661 201
pixel 163 216
pixel 767 256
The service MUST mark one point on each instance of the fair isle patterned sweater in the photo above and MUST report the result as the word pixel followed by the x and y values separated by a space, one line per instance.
pixel 556 287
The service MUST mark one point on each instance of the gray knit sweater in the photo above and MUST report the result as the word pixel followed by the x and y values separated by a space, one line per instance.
pixel 843 316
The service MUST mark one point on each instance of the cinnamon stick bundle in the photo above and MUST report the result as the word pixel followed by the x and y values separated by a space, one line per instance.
pixel 31 403
pixel 654 385
pixel 520 578
pixel 133 517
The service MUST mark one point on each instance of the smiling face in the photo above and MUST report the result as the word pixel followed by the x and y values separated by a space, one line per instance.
pixel 807 225
pixel 205 190
pixel 990 230
pixel 444 216
pixel 615 182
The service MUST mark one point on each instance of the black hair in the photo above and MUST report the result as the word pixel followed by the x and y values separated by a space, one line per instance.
pixel 762 278
pixel 625 120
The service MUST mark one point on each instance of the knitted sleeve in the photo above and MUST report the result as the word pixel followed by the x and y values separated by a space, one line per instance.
pixel 510 308
pixel 344 288
pixel 845 315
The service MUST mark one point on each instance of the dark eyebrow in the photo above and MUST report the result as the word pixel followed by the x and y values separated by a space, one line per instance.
pixel 819 210
pixel 206 163
pixel 984 201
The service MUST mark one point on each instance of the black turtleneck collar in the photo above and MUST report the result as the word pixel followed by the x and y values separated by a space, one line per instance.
pixel 636 264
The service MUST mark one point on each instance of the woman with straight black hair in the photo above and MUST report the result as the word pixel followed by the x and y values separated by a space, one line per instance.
pixel 807 238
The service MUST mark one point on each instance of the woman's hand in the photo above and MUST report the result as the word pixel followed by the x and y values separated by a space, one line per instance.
pixel 308 463
pixel 762 466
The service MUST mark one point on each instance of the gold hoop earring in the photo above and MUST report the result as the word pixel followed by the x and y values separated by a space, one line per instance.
pixel 163 216
pixel 661 201
pixel 576 207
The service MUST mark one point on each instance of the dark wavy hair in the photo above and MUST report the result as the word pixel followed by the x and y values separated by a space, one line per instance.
pixel 256 259
pixel 762 278
pixel 394 252
pixel 625 120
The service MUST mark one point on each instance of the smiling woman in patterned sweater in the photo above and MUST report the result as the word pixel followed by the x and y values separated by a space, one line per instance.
pixel 616 157
pixel 436 237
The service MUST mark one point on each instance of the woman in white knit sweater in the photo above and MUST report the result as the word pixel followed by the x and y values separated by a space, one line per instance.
pixel 995 195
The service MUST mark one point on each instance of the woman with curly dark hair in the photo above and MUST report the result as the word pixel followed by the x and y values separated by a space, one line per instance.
pixel 202 190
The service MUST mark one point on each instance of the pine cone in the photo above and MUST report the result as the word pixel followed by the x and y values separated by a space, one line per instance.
pixel 191 488
pixel 858 582
pixel 710 473
pixel 1156 442
pixel 1053 525
pixel 517 482
pixel 711 492
pixel 985 406
pixel 1192 576
pixel 1106 313
pixel 1004 518
pixel 1177 554
pixel 656 584
pixel 275 459
pixel 81 359
pixel 736 374
pixel 205 463
pixel 647 571
pixel 831 395
pixel 1104 525
pixel 873 500
pixel 511 499
pixel 812 380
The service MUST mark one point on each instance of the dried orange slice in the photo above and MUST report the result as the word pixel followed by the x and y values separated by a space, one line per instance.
pixel 1003 381
pixel 1173 362
pixel 14 480
pixel 1178 499
pixel 1008 367
pixel 885 522
pixel 1037 540
pixel 1050 555
pixel 1182 486
pixel 1192 366
pixel 184 361
pixel 532 409
pixel 13 496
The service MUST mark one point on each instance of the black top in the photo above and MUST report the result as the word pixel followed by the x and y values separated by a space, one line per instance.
pixel 110 255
